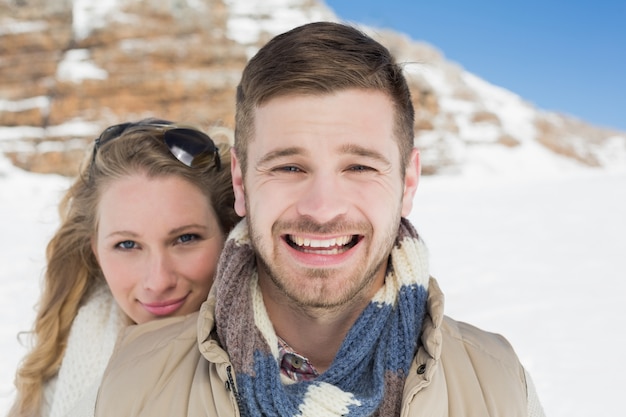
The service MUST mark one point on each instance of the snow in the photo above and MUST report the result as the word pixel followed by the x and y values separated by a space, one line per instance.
pixel 76 67
pixel 516 116
pixel 28 218
pixel 11 136
pixel 12 26
pixel 88 15
pixel 249 20
pixel 540 260
pixel 536 254
pixel 38 102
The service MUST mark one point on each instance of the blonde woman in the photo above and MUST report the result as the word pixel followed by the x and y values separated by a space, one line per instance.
pixel 140 233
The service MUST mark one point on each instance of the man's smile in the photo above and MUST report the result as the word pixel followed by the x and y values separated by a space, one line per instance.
pixel 331 246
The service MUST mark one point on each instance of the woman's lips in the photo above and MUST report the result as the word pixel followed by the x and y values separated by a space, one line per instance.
pixel 164 308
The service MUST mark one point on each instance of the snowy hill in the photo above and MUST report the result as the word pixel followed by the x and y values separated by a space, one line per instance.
pixel 78 66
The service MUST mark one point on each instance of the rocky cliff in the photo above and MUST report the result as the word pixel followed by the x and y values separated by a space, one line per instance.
pixel 70 68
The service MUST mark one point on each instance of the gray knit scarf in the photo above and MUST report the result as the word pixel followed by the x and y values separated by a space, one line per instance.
pixel 367 375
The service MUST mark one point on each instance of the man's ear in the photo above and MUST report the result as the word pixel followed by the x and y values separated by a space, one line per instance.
pixel 411 180
pixel 238 187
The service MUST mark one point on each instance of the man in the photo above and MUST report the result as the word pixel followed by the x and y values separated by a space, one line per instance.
pixel 322 305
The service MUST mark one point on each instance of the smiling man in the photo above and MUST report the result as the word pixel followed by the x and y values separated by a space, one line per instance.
pixel 323 304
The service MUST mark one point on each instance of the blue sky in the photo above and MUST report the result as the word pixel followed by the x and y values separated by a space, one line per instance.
pixel 565 56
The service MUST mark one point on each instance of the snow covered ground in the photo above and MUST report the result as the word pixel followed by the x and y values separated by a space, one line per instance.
pixel 539 257
pixel 542 261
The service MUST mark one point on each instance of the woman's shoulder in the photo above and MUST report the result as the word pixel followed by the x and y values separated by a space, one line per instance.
pixel 92 337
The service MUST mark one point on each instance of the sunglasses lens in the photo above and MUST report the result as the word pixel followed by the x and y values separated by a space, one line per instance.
pixel 190 146
pixel 111 133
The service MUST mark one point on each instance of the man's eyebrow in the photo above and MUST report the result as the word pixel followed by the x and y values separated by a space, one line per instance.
pixel 353 149
pixel 294 150
pixel 348 149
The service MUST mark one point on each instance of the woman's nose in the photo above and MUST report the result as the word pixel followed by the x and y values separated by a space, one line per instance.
pixel 160 275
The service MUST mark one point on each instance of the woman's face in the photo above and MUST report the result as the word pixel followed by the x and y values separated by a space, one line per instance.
pixel 158 241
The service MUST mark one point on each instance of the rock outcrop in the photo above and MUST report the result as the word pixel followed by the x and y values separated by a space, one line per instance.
pixel 70 68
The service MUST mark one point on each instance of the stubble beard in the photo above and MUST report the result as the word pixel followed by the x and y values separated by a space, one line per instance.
pixel 318 294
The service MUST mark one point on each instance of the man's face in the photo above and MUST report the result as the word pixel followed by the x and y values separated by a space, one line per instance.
pixel 323 195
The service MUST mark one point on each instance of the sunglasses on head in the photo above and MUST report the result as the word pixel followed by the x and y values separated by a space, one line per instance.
pixel 189 146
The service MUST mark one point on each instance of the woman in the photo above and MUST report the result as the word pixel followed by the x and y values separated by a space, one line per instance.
pixel 141 230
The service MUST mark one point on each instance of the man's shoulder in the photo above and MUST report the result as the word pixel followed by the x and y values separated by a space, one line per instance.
pixel 468 371
pixel 152 365
pixel 478 340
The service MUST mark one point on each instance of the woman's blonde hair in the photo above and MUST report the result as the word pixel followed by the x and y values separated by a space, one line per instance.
pixel 72 270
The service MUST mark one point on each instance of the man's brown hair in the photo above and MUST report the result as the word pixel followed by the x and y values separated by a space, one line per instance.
pixel 321 58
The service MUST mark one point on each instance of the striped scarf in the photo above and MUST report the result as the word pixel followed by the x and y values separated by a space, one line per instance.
pixel 367 375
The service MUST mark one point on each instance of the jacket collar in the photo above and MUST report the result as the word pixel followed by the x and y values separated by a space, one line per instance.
pixel 428 355
pixel 207 336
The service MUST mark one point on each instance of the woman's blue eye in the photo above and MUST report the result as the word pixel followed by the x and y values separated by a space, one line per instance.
pixel 188 237
pixel 127 244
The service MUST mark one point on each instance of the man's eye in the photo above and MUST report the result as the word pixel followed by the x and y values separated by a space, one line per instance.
pixel 360 168
pixel 289 168
pixel 127 244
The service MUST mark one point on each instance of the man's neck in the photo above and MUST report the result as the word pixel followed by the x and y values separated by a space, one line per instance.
pixel 314 333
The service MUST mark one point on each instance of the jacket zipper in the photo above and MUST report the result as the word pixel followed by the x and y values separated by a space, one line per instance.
pixel 233 388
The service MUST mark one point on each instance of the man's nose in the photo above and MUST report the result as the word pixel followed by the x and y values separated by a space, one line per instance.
pixel 323 198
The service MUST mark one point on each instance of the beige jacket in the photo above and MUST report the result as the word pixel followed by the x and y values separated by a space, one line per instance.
pixel 458 371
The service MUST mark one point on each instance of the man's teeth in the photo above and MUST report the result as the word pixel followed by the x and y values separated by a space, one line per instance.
pixel 321 243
